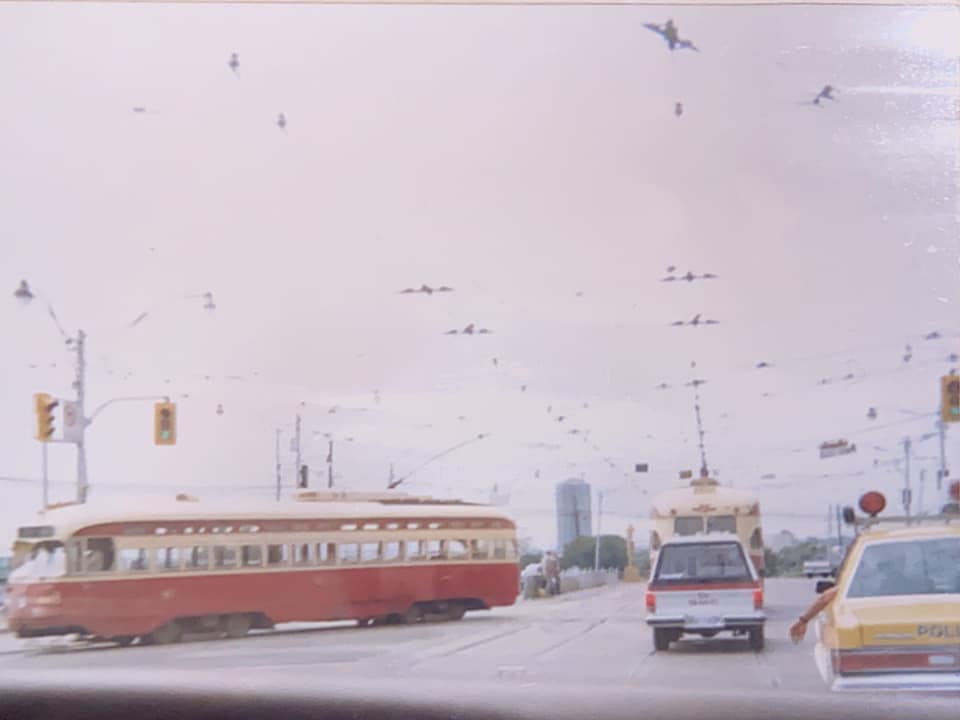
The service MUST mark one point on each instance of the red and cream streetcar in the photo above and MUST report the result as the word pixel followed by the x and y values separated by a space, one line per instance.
pixel 165 569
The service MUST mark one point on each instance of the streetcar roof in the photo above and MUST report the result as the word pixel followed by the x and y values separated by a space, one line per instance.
pixel 691 500
pixel 67 520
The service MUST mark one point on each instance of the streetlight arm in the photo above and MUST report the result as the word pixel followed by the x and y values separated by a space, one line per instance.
pixel 132 398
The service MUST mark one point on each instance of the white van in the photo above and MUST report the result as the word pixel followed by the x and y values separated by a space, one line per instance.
pixel 704 585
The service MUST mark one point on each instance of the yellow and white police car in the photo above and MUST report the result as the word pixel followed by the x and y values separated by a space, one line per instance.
pixel 894 623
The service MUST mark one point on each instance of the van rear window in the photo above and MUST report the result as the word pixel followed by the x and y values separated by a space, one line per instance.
pixel 702 563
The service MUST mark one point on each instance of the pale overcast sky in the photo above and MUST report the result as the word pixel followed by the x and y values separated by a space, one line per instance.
pixel 529 157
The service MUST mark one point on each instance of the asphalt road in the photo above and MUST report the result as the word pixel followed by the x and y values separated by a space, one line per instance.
pixel 594 637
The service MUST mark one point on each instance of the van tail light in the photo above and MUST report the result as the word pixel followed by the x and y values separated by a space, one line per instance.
pixel 651 602
pixel 757 598
pixel 867 661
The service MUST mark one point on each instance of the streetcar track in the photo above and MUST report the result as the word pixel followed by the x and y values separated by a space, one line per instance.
pixel 571 638
pixel 475 643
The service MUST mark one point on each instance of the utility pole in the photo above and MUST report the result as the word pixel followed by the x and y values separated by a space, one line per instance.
pixel 330 464
pixel 80 386
pixel 296 450
pixel 596 545
pixel 942 472
pixel 839 521
pixel 277 460
pixel 906 476
pixel 923 477
pixel 829 524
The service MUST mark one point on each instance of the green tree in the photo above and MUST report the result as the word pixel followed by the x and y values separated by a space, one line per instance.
pixel 529 558
pixel 771 561
pixel 580 553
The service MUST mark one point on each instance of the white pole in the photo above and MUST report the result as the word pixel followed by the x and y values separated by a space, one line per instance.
pixel 80 383
pixel 277 459
pixel 46 489
pixel 296 444
pixel 596 544
pixel 906 476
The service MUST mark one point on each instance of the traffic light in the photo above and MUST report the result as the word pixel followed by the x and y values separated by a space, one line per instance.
pixel 304 476
pixel 950 398
pixel 165 423
pixel 44 406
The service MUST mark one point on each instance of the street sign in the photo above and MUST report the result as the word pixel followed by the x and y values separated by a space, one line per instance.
pixel 836 448
pixel 72 423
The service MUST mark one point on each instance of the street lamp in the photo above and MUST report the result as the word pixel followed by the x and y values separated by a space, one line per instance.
pixel 24 295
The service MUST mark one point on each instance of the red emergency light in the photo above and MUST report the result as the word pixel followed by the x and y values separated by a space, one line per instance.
pixel 872 503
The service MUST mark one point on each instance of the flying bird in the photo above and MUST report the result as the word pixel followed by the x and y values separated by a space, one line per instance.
pixel 470 329
pixel 496 363
pixel 282 122
pixel 139 109
pixel 872 413
pixel 663 386
pixel 561 418
pixel 426 290
pixel 763 364
pixel 234 63
pixel 825 94
pixel 907 354
pixel 678 109
pixel 932 336
pixel 696 321
pixel 671 34
pixel 523 388
pixel 671 268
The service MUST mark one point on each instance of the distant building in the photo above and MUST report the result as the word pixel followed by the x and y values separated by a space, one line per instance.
pixel 573 511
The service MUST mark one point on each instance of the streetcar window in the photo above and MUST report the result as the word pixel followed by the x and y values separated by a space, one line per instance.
pixel 99 556
pixel 348 552
pixel 499 549
pixel 392 551
pixel 326 553
pixel 167 558
pixel 301 555
pixel 688 525
pixel 134 559
pixel 512 550
pixel 457 549
pixel 277 554
pixel 722 523
pixel 393 526
pixel 435 550
pixel 479 550
pixel 251 555
pixel 199 558
pixel 75 556
pixel 414 549
pixel 224 557
pixel 369 552
pixel 371 526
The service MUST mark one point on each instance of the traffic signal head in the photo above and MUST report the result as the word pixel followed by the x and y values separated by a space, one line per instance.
pixel 165 423
pixel 44 406
pixel 950 398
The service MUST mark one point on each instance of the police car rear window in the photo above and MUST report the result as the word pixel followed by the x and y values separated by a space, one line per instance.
pixel 702 563
pixel 908 567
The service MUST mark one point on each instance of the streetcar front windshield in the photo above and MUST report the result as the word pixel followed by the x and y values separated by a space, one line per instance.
pixel 46 560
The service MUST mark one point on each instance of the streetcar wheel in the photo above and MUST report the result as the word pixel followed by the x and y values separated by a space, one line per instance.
pixel 123 640
pixel 236 626
pixel 413 615
pixel 456 611
pixel 661 639
pixel 165 634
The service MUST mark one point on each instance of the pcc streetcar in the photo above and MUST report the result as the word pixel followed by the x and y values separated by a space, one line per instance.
pixel 163 570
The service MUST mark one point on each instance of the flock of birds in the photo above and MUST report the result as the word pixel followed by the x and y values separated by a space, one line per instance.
pixel 668 31
pixel 671 34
